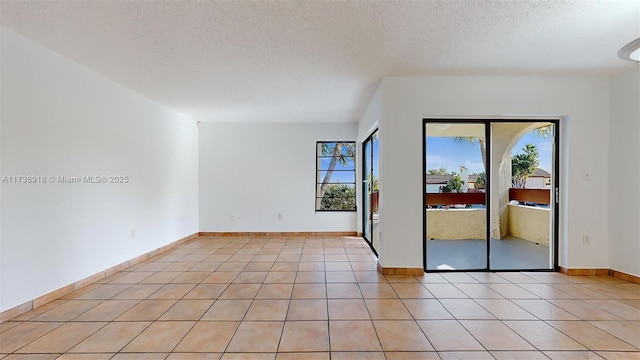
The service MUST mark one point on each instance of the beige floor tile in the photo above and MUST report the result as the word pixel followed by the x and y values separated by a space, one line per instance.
pixel 248 356
pixel 30 357
pixel 364 266
pixel 591 337
pixel 445 291
pixel 275 291
pixel 259 266
pixel 111 338
pixel 280 277
pixel 617 308
pixel 411 291
pixel 8 325
pixel 146 310
pixel 544 310
pixel 572 355
pixel 140 356
pixel 583 310
pixel 488 277
pixel 161 336
pixel 353 336
pixel 348 309
pixel 519 355
pixel 312 309
pixel 227 310
pixel 303 356
pixel 466 355
pixel 172 291
pixel 343 291
pixel 309 277
pixel 340 277
pixel 275 310
pixel 256 336
pixel 191 277
pixel 104 292
pixel 579 291
pixel 68 310
pixel 401 279
pixel 401 335
pixel 519 278
pixel 466 309
pixel 459 278
pixel 543 336
pixel 389 309
pixel 161 277
pixel 68 356
pixel 221 277
pixel 107 311
pixel 369 276
pixel 311 265
pixel 624 330
pixel 63 338
pixel 449 335
pixel 545 291
pixel 309 291
pixel 132 277
pixel 505 310
pixel 206 266
pixel 178 266
pixel 208 337
pixel 479 291
pixel 494 335
pixel 20 335
pixel 427 309
pixel 187 310
pixel 250 277
pixel 338 266
pixel 618 355
pixel 206 291
pixel 357 355
pixel 411 355
pixel 240 291
pixel 138 291
pixel 39 310
pixel 299 336
pixel 512 291
pixel 283 266
pixel 194 356
pixel 379 290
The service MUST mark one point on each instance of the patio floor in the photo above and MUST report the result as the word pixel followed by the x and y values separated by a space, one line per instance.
pixel 509 253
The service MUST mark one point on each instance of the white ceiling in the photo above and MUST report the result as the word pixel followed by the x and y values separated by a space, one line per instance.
pixel 319 61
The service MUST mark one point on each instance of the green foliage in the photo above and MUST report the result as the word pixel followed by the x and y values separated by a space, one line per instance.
pixel 338 197
pixel 440 171
pixel 454 185
pixel 374 184
pixel 481 180
pixel 523 165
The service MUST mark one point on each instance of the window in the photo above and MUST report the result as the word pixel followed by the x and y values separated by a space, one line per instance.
pixel 335 176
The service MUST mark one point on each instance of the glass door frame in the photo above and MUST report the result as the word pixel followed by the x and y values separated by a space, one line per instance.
pixel 555 191
pixel 366 210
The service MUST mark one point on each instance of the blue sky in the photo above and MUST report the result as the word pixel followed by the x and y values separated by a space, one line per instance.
pixel 446 152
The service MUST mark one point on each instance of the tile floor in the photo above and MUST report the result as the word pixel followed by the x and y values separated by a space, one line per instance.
pixel 322 298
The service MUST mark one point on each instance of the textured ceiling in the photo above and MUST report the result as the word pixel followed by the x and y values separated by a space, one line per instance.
pixel 319 61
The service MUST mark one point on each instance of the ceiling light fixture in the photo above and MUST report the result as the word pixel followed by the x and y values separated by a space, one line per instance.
pixel 631 51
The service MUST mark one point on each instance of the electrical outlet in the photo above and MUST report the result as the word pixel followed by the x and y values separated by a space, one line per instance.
pixel 586 239
pixel 279 216
pixel 133 233
pixel 232 217
pixel 586 175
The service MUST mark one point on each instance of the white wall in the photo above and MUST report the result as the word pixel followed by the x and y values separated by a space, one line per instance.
pixel 253 171
pixel 583 104
pixel 624 172
pixel 60 118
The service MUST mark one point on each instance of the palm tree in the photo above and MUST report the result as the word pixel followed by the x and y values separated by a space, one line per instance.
pixel 335 150
pixel 542 131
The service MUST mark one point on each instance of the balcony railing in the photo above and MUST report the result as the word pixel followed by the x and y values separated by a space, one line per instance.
pixel 539 196
pixel 470 198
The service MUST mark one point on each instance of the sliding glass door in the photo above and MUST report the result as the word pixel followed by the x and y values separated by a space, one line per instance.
pixel 490 195
pixel 370 191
